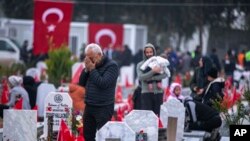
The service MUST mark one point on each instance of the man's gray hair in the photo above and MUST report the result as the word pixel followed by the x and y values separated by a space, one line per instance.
pixel 94 47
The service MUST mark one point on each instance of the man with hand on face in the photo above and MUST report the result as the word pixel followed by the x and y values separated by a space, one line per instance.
pixel 99 78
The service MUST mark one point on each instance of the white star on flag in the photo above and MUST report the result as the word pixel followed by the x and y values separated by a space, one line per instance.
pixel 51 28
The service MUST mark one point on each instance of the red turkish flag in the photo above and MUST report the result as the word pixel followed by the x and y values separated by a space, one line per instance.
pixel 5 92
pixel 51 25
pixel 64 133
pixel 105 34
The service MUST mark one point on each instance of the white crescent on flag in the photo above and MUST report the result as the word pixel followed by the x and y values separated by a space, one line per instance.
pixel 56 11
pixel 106 32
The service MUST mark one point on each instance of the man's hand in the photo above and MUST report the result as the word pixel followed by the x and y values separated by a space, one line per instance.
pixel 89 64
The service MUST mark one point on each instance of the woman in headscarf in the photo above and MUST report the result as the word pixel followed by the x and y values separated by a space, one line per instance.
pixel 31 86
pixel 199 81
pixel 17 92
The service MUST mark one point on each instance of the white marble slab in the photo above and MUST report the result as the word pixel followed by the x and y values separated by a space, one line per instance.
pixel 224 139
pixel 144 120
pixel 42 91
pixel 173 108
pixel 192 139
pixel 114 129
pixel 20 125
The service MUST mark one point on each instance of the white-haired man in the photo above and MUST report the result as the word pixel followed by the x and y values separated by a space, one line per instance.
pixel 99 78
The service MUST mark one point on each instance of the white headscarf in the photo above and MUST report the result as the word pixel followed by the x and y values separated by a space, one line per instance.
pixel 15 80
pixel 172 88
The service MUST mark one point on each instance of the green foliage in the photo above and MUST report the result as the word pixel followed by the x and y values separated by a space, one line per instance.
pixel 14 69
pixel 247 92
pixel 59 65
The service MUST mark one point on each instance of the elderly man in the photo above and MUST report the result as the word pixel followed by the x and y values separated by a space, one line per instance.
pixel 99 78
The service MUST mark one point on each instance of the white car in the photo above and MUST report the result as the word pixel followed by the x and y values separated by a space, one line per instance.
pixel 9 51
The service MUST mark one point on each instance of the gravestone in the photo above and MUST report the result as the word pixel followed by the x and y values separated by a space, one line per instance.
pixel 42 91
pixel 143 121
pixel 173 108
pixel 59 105
pixel 20 125
pixel 115 131
pixel 225 139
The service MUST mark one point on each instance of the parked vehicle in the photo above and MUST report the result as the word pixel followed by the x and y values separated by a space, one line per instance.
pixel 9 51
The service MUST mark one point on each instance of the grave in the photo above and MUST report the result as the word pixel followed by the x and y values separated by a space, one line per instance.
pixel 20 125
pixel 59 105
pixel 143 121
pixel 42 91
pixel 173 108
pixel 115 131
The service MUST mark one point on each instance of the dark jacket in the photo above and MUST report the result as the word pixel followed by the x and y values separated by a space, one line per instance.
pixel 31 86
pixel 214 91
pixel 199 78
pixel 199 111
pixel 100 83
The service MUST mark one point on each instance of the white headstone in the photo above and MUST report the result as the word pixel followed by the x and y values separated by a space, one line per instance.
pixel 59 105
pixel 173 108
pixel 118 130
pixel 42 91
pixel 143 120
pixel 20 125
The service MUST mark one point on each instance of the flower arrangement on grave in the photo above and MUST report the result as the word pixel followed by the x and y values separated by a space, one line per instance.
pixel 232 98
pixel 77 123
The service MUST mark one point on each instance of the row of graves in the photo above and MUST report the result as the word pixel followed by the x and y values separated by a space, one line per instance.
pixel 55 107
pixel 137 125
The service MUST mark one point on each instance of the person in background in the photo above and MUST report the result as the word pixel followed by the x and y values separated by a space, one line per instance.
pixel 151 99
pixel 99 79
pixel 175 92
pixel 247 60
pixel 229 65
pixel 200 116
pixel 199 80
pixel 82 53
pixel 214 89
pixel 25 53
pixel 136 59
pixel 17 92
pixel 215 59
pixel 196 55
pixel 31 87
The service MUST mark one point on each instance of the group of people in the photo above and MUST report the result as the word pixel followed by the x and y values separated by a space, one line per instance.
pixel 100 76
pixel 21 88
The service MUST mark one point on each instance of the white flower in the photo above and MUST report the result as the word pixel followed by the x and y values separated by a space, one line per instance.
pixel 78 117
